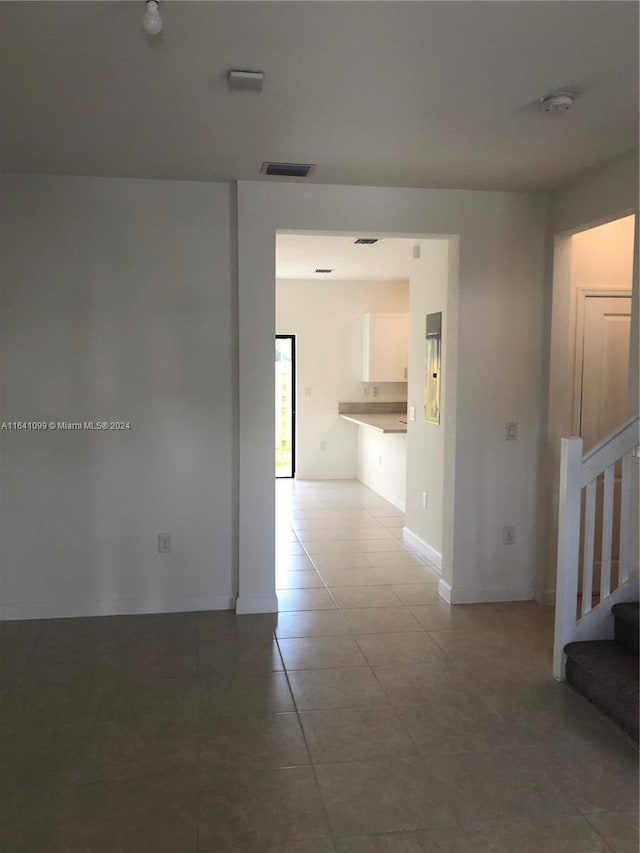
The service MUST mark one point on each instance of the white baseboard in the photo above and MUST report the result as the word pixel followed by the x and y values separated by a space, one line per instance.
pixel 423 548
pixel 444 590
pixel 112 607
pixel 477 595
pixel 396 502
pixel 257 604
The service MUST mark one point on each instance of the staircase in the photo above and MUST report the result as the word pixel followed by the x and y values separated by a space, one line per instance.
pixel 596 619
pixel 606 671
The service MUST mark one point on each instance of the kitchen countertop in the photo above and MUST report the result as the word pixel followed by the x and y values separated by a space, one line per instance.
pixel 395 422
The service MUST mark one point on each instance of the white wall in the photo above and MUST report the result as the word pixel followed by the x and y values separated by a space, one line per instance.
pixel 327 319
pixel 425 441
pixel 601 258
pixel 495 376
pixel 117 304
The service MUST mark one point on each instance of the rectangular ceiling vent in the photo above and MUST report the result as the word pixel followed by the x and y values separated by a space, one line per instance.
pixel 288 170
pixel 323 271
pixel 366 241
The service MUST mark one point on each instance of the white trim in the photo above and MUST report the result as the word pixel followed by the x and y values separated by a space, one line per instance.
pixel 396 502
pixel 582 294
pixel 478 595
pixel 257 604
pixel 423 548
pixel 112 607
pixel 444 590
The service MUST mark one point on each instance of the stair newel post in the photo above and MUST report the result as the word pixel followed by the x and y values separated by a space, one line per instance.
pixel 568 549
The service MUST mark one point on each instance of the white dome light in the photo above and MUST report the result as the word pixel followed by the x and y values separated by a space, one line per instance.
pixel 557 102
pixel 152 22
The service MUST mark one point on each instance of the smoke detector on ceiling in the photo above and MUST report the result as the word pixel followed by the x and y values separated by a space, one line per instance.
pixel 557 102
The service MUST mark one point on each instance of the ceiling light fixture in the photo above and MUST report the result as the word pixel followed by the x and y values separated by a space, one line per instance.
pixel 557 102
pixel 152 22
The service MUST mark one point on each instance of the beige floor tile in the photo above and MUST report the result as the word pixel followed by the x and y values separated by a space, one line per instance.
pixel 385 795
pixel 307 524
pixel 619 829
pixel 551 713
pixel 500 784
pixel 563 834
pixel 364 596
pixel 416 594
pixel 594 777
pixel 415 573
pixel 304 599
pixel 298 580
pixel 323 540
pixel 427 841
pixel 397 556
pixel 352 734
pixel 418 683
pixel 369 533
pixel 321 653
pixel 274 739
pixel 381 546
pixel 311 623
pixel 454 721
pixel 341 561
pixel 257 807
pixel 245 692
pixel 398 648
pixel 380 620
pixel 364 576
pixel 336 688
pixel 442 617
pixel 294 562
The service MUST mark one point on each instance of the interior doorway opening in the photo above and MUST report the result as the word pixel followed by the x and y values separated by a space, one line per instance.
pixel 285 406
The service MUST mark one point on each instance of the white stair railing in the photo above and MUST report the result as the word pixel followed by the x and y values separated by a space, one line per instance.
pixel 576 617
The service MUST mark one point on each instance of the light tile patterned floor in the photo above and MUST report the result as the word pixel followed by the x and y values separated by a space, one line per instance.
pixel 367 717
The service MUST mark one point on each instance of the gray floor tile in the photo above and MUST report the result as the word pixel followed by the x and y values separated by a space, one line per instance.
pixel 242 652
pixel 419 682
pixel 336 688
pixel 321 653
pixel 17 642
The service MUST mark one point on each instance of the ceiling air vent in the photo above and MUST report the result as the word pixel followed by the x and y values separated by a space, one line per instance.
pixel 323 271
pixel 366 241
pixel 288 170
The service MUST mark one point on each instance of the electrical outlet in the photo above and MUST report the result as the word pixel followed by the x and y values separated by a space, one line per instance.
pixel 307 391
pixel 509 535
pixel 164 543
pixel 424 500
pixel 376 390
pixel 511 431
pixel 323 445
pixel 380 460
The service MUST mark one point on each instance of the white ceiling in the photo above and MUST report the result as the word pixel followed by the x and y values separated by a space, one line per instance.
pixel 299 255
pixel 439 94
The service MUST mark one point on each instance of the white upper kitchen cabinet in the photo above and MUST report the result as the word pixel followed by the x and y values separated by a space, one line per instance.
pixel 385 347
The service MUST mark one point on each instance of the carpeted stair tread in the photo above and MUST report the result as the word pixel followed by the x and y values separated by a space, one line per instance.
pixel 627 625
pixel 607 674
